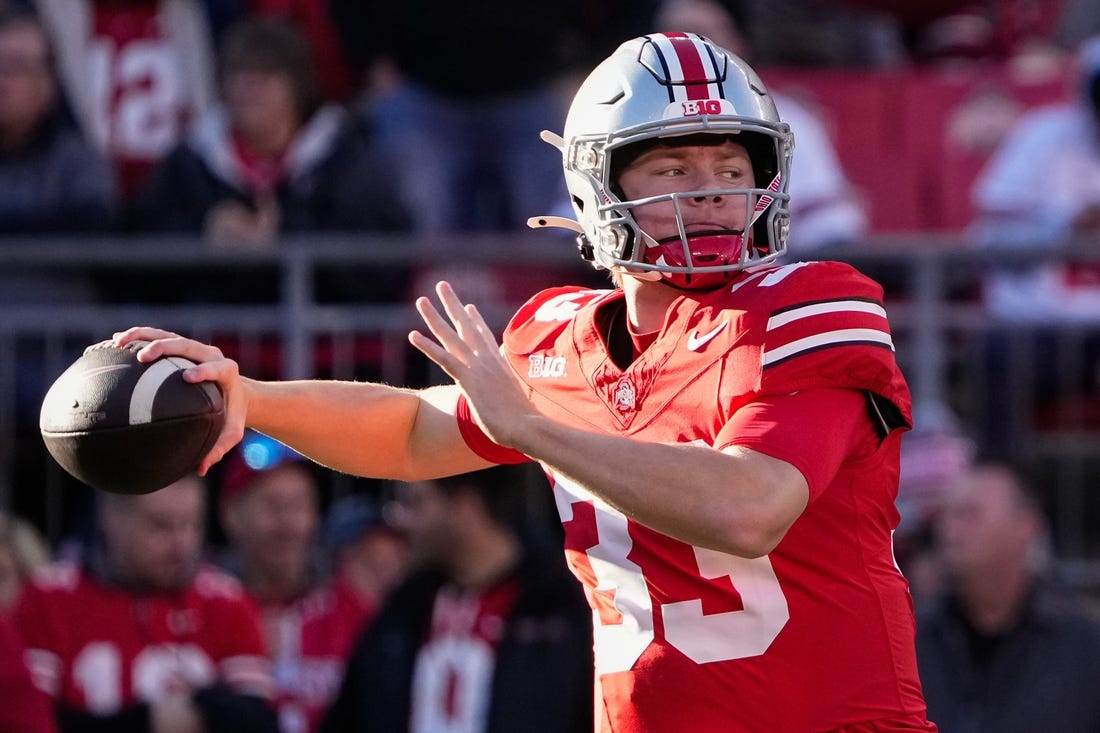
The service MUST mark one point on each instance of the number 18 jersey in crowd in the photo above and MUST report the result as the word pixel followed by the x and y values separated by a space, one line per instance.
pixel 796 362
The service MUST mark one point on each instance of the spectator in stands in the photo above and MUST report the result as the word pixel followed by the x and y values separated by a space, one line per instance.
pixel 51 180
pixel 269 509
pixel 487 634
pixel 825 206
pixel 26 709
pixel 272 158
pixel 823 33
pixel 971 31
pixel 136 73
pixel 933 457
pixel 368 555
pixel 22 553
pixel 1039 193
pixel 460 119
pixel 1003 648
pixel 1041 190
pixel 142 637
pixel 336 79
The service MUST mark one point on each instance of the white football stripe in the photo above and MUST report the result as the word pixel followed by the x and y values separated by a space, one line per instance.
pixel 145 391
pixel 817 309
pixel 826 339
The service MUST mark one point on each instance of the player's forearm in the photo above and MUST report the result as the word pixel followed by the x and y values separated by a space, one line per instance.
pixel 366 429
pixel 352 427
pixel 738 502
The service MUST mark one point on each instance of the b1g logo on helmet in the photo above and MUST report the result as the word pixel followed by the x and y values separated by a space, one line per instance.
pixel 702 107
pixel 699 107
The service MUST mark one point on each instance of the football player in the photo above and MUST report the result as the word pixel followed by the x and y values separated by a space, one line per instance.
pixel 722 433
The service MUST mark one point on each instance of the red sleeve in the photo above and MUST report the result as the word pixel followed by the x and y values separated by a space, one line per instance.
pixel 814 430
pixel 26 709
pixel 481 443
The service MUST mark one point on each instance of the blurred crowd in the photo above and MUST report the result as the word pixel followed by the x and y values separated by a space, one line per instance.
pixel 255 602
pixel 236 121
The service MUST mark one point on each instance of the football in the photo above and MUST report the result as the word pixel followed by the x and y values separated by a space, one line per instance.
pixel 129 427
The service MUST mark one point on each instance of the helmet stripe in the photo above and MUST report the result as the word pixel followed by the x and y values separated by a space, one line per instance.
pixel 718 68
pixel 663 59
pixel 692 69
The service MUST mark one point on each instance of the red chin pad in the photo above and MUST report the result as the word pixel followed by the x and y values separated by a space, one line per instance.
pixel 708 249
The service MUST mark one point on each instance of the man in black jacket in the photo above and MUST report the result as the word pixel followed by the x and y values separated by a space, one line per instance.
pixel 490 634
pixel 1003 648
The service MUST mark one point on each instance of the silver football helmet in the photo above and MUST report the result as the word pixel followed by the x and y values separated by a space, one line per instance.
pixel 668 85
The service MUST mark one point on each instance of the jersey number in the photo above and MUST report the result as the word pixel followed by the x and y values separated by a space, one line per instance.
pixel 156 670
pixel 623 605
pixel 138 97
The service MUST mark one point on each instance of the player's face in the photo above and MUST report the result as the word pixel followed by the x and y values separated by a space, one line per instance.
pixel 276 520
pixel 155 540
pixel 668 169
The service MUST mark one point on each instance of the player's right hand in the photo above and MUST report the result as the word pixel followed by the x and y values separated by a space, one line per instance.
pixel 211 365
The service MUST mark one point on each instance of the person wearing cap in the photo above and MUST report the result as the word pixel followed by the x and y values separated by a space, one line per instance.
pixel 367 555
pixel 269 508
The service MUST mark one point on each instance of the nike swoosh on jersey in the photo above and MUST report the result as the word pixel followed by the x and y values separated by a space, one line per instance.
pixel 696 342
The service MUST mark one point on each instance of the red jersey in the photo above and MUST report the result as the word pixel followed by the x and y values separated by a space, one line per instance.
pixel 138 74
pixel 819 634
pixel 98 648
pixel 25 708
pixel 310 641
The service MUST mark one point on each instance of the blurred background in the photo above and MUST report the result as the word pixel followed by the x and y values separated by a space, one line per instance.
pixel 283 177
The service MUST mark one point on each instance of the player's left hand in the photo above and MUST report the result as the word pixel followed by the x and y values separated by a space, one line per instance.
pixel 467 350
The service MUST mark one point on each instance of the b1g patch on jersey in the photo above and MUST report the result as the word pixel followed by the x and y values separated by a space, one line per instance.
pixel 803 328
pixel 543 366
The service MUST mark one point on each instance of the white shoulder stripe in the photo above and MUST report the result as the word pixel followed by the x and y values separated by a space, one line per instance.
pixel 777 275
pixel 828 338
pixel 770 273
pixel 816 309
pixel 145 391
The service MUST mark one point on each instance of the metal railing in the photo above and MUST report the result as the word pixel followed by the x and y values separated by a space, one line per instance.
pixel 273 311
